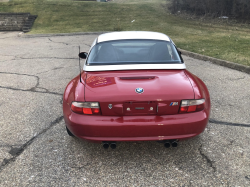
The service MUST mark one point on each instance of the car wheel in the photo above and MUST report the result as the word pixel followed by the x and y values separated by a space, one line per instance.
pixel 69 133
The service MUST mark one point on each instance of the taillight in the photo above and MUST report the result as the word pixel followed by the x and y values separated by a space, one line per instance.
pixel 86 108
pixel 192 105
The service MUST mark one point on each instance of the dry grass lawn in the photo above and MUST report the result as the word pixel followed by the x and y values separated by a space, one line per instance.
pixel 220 40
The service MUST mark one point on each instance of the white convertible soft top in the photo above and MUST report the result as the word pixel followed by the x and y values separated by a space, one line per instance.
pixel 125 35
pixel 128 35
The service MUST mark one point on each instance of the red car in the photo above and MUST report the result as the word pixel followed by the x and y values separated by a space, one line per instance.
pixel 134 86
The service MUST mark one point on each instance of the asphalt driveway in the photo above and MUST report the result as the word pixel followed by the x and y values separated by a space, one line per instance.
pixel 35 149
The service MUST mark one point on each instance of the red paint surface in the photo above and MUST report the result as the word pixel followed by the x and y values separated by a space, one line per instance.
pixel 119 124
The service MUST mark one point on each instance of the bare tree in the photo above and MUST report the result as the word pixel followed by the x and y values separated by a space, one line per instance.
pixel 214 8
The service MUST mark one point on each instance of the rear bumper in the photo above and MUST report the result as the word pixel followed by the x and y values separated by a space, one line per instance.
pixel 137 128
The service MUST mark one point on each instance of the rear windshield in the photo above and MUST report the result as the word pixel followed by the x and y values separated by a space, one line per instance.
pixel 120 52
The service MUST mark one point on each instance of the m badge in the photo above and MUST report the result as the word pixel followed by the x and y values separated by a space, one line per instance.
pixel 173 104
pixel 110 106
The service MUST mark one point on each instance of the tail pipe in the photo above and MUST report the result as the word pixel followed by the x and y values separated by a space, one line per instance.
pixel 174 143
pixel 169 143
pixel 106 145
pixel 113 145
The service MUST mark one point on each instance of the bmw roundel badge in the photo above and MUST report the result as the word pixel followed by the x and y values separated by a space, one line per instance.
pixel 110 106
pixel 139 90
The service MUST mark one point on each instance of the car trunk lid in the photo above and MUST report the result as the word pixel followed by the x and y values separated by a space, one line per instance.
pixel 118 92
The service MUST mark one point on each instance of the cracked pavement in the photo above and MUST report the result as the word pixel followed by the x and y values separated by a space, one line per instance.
pixel 35 149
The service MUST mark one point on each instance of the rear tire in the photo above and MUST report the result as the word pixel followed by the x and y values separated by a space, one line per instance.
pixel 69 133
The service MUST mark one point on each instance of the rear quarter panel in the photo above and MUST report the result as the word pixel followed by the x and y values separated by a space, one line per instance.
pixel 74 91
pixel 200 90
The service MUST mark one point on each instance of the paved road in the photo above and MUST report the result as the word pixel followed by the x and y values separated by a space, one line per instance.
pixel 35 149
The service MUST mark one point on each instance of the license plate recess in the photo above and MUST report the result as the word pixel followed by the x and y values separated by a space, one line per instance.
pixel 140 108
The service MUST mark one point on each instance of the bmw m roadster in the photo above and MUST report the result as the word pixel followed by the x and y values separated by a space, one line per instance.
pixel 134 86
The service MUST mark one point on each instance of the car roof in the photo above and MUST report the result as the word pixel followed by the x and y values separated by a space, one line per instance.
pixel 126 35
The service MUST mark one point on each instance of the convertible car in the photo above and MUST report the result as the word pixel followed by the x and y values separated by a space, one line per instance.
pixel 134 86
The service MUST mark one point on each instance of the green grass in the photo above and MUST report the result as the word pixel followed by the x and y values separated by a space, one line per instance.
pixel 223 41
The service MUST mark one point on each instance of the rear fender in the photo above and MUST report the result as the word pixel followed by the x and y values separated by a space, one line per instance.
pixel 74 91
pixel 200 89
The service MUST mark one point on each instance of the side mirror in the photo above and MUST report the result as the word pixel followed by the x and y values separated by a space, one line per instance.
pixel 83 55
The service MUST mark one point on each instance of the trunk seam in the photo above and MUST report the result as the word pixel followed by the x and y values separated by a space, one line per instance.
pixel 190 83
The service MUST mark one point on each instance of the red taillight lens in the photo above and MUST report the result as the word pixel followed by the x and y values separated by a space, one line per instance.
pixel 76 109
pixel 86 107
pixel 200 107
pixel 191 108
pixel 87 111
pixel 192 105
pixel 183 109
pixel 95 110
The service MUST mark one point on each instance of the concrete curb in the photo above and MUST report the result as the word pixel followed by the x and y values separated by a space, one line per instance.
pixel 225 63
pixel 60 34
